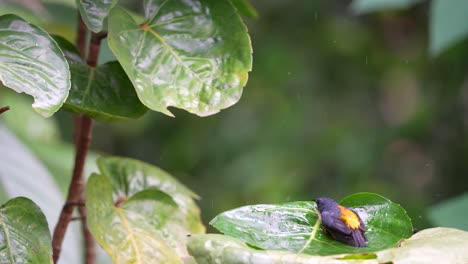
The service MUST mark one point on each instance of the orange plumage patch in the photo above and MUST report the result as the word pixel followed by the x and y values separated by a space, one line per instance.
pixel 349 218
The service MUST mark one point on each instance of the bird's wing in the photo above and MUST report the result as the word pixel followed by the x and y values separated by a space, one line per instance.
pixel 334 224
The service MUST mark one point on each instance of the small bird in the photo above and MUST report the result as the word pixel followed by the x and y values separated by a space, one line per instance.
pixel 341 223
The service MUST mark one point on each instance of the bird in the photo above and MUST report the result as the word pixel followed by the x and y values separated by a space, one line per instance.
pixel 341 223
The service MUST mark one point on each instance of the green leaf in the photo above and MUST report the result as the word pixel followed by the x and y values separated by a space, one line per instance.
pixel 129 177
pixel 451 213
pixel 193 55
pixel 69 50
pixel 103 93
pixel 24 236
pixel 123 232
pixel 435 245
pixel 447 24
pixel 295 226
pixel 367 6
pixel 245 8
pixel 31 62
pixel 94 12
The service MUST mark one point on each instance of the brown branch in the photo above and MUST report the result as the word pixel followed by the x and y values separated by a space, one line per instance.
pixel 89 242
pixel 83 127
pixel 4 109
pixel 94 47
pixel 76 187
pixel 81 36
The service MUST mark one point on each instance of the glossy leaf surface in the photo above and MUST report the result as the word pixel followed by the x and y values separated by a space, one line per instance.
pixel 435 245
pixel 129 176
pixel 193 55
pixel 24 236
pixel 32 63
pixel 447 25
pixel 122 230
pixel 295 226
pixel 94 12
pixel 103 93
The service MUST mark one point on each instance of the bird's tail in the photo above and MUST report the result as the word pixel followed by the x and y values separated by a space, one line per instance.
pixel 359 238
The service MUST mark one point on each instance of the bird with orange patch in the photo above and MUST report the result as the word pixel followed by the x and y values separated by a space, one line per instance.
pixel 341 223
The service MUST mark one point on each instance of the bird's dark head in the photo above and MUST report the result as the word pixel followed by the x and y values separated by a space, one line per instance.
pixel 324 203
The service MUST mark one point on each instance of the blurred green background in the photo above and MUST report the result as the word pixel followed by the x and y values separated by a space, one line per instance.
pixel 337 103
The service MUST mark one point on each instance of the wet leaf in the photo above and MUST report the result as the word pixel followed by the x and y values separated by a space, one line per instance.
pixel 447 25
pixel 245 8
pixel 211 249
pixel 129 176
pixel 125 232
pixel 435 245
pixel 32 63
pixel 24 236
pixel 94 12
pixel 295 226
pixel 103 93
pixel 193 55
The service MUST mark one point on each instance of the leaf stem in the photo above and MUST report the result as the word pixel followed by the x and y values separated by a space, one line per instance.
pixel 4 109
pixel 312 234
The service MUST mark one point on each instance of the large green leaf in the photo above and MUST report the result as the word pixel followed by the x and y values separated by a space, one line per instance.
pixel 366 6
pixel 94 12
pixel 31 62
pixel 436 245
pixel 451 213
pixel 448 24
pixel 193 55
pixel 295 226
pixel 24 235
pixel 124 231
pixel 129 176
pixel 103 93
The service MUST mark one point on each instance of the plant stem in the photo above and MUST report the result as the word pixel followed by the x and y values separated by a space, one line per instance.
pixel 83 128
pixel 4 109
pixel 81 36
pixel 76 187
pixel 89 242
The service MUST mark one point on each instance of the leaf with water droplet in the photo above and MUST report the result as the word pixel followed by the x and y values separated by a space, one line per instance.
pixel 295 226
pixel 24 234
pixel 32 63
pixel 194 55
pixel 125 231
